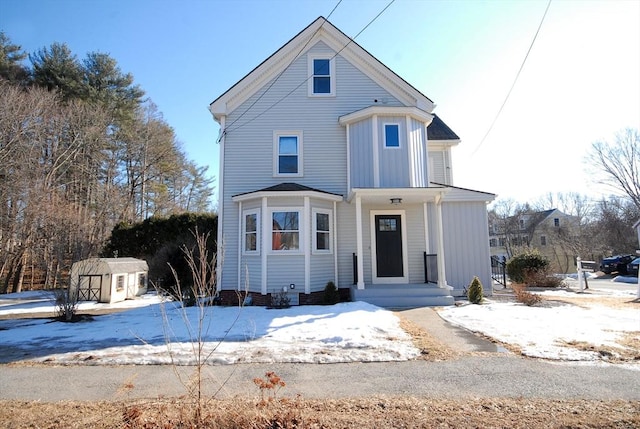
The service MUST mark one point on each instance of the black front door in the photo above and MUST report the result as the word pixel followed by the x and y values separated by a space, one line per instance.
pixel 389 246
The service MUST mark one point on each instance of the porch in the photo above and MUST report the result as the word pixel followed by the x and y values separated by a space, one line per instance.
pixel 403 295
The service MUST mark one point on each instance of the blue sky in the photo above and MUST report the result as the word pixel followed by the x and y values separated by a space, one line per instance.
pixel 581 82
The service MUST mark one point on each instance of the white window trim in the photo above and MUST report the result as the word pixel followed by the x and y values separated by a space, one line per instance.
pixel 314 248
pixel 384 136
pixel 301 235
pixel 245 213
pixel 332 74
pixel 276 153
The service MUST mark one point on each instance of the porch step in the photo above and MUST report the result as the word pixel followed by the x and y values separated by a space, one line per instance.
pixel 403 296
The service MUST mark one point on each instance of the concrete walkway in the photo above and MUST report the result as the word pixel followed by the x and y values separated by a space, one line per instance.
pixel 454 337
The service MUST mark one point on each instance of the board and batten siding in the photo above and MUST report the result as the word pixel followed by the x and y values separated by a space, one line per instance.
pixel 466 239
pixel 284 105
pixel 393 162
pixel 360 138
pixel 417 143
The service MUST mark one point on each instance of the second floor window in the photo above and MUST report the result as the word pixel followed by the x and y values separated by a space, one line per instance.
pixel 543 240
pixel 288 154
pixel 556 222
pixel 391 135
pixel 322 80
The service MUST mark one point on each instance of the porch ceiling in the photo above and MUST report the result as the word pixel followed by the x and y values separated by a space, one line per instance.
pixel 408 195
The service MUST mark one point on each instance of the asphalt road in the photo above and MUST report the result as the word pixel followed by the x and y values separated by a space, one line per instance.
pixel 489 375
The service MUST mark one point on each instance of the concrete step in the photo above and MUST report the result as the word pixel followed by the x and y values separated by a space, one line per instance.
pixel 403 296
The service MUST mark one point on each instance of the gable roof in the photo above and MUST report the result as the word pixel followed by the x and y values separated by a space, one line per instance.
pixel 438 130
pixel 292 189
pixel 319 30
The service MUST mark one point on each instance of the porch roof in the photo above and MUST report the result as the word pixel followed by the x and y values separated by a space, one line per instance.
pixel 289 190
pixel 406 195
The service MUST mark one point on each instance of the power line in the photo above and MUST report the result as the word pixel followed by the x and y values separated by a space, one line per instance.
pixel 224 132
pixel 514 81
pixel 229 129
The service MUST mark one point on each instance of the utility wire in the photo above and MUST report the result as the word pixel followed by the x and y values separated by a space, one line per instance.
pixel 224 132
pixel 307 79
pixel 514 81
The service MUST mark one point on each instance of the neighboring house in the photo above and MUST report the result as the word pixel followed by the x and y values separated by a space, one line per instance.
pixel 333 168
pixel 548 231
pixel 108 279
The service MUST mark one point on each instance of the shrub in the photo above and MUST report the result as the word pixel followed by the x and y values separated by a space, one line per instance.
pixel 526 263
pixel 331 295
pixel 474 293
pixel 541 279
pixel 525 297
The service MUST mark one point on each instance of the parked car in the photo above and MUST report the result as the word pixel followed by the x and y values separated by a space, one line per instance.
pixel 616 263
pixel 632 267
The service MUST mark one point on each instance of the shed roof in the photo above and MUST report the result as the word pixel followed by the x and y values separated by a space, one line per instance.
pixel 116 265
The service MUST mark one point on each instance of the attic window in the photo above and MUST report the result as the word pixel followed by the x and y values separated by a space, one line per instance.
pixel 321 76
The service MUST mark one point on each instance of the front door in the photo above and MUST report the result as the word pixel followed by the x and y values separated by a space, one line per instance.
pixel 389 263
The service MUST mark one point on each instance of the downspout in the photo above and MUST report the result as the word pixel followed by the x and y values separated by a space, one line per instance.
pixel 220 243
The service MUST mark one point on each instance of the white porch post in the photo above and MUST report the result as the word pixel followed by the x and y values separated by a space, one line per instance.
pixel 266 240
pixel 307 243
pixel 359 242
pixel 442 275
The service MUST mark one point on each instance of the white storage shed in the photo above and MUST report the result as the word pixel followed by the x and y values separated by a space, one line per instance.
pixel 109 280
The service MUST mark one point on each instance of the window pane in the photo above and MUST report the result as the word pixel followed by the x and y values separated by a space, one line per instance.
pixel 321 85
pixel 287 221
pixel 288 145
pixel 392 138
pixel 322 222
pixel 284 241
pixel 250 223
pixel 288 165
pixel 251 242
pixel 387 224
pixel 321 67
pixel 322 241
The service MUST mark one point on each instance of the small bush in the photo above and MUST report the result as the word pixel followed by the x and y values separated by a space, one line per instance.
pixel 280 300
pixel 331 295
pixel 525 297
pixel 474 293
pixel 526 263
pixel 66 304
pixel 541 279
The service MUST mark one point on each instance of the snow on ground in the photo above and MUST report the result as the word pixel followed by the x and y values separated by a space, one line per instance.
pixel 544 331
pixel 148 331
pixel 163 333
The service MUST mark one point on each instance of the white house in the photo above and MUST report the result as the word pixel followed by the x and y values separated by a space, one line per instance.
pixel 334 168
pixel 109 279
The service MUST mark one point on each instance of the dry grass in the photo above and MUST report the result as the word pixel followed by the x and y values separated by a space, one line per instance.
pixel 378 412
pixel 430 348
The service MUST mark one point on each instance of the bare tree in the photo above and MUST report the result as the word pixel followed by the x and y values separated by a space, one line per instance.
pixel 617 164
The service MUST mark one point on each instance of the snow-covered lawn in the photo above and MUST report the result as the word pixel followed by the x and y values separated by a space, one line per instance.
pixel 578 331
pixel 598 325
pixel 349 332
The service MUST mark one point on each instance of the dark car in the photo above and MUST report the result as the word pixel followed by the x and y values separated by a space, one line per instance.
pixel 616 263
pixel 632 267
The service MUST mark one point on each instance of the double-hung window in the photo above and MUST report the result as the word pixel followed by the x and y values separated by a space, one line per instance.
pixel 285 232
pixel 321 76
pixel 322 237
pixel 391 135
pixel 250 232
pixel 287 160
